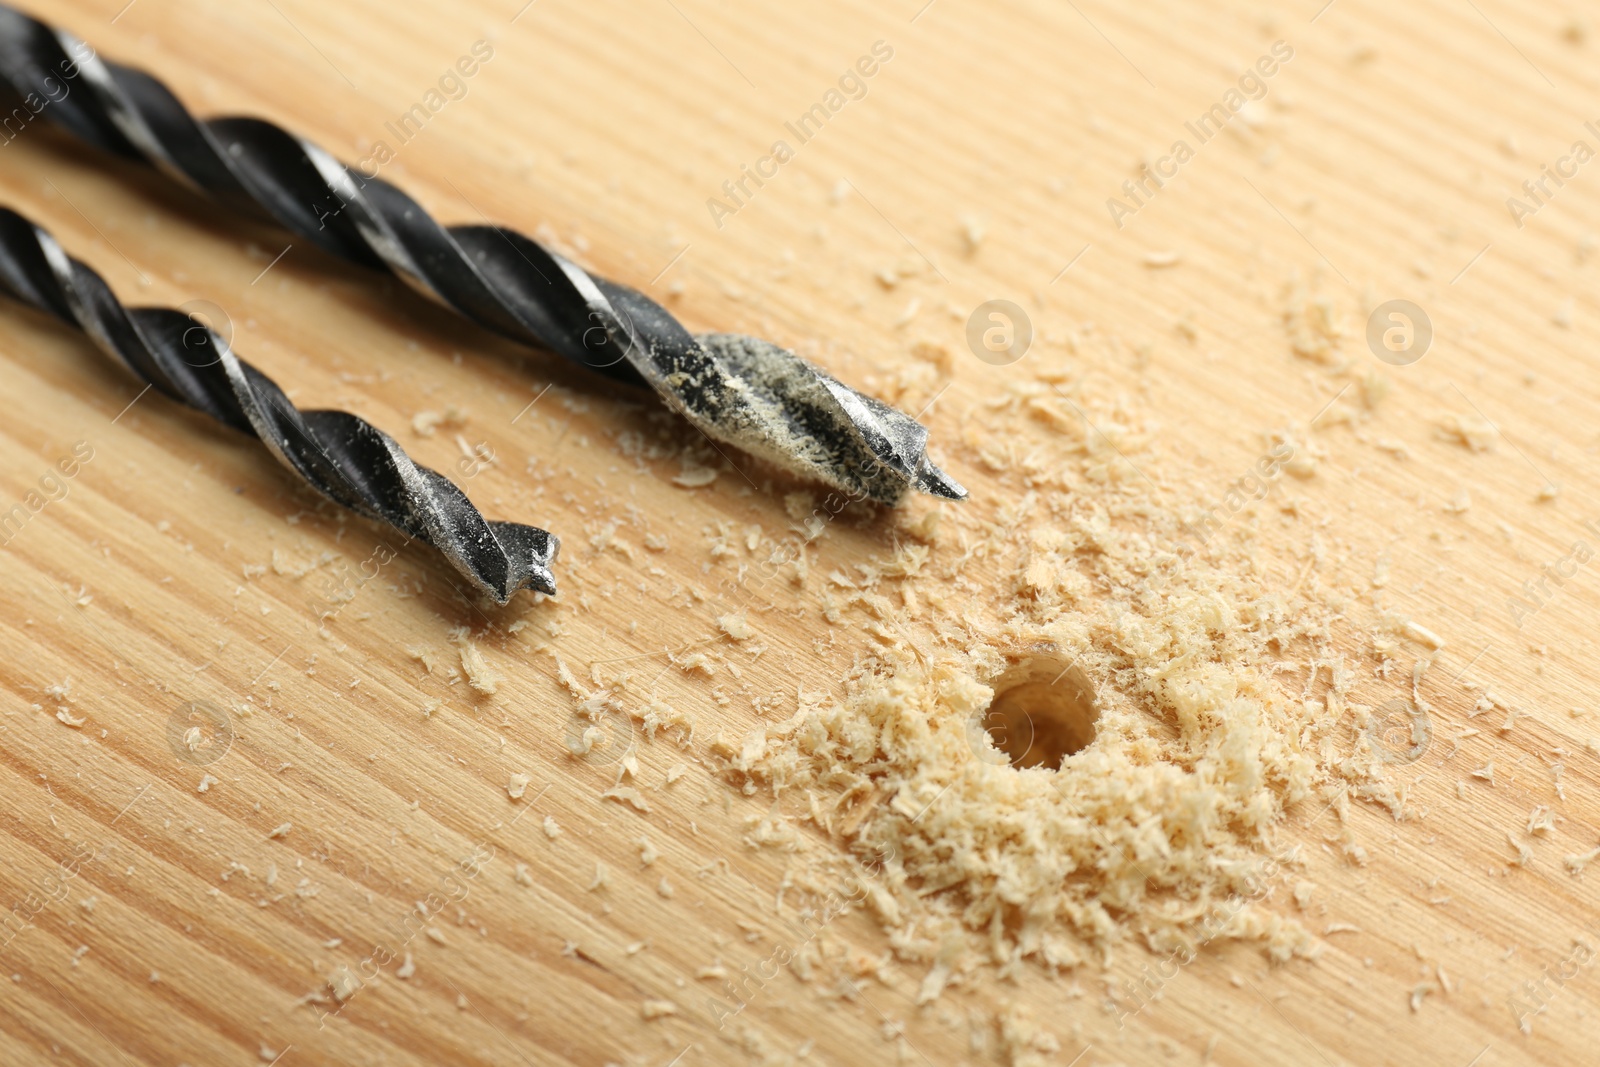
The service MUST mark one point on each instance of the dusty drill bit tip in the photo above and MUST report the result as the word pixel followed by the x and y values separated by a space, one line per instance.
pixel 800 416
pixel 742 391
pixel 345 458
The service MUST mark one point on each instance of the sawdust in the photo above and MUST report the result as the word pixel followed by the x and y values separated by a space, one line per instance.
pixel 480 676
pixel 735 626
pixel 1474 434
pixel 1576 862
pixel 427 423
pixel 1164 828
pixel 627 794
pixel 1216 702
pixel 1197 753
pixel 651 1010
pixel 1316 328
pixel 1023 1042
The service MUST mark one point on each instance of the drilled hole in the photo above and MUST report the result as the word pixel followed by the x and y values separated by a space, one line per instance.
pixel 1043 711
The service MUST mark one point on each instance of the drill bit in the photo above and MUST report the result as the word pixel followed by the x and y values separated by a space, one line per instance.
pixel 345 458
pixel 744 391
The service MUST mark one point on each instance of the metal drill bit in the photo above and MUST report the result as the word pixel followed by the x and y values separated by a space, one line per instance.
pixel 346 459
pixel 747 392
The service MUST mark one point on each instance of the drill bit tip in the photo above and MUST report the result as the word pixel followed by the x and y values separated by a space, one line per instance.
pixel 935 482
pixel 772 403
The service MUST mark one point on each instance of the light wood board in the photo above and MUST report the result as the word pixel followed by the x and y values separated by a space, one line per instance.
pixel 1377 167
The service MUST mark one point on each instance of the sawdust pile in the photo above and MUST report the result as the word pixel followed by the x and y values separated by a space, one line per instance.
pixel 1221 706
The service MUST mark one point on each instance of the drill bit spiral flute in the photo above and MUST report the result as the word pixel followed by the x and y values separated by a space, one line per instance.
pixel 341 456
pixel 740 390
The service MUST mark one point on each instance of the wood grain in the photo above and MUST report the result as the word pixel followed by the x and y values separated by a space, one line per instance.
pixel 194 924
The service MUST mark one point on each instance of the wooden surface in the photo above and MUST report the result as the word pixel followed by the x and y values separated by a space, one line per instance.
pixel 182 565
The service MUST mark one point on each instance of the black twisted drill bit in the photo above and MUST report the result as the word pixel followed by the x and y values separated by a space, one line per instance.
pixel 344 458
pixel 741 390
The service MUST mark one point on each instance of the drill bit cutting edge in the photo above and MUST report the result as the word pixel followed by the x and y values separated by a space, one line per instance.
pixel 744 391
pixel 343 457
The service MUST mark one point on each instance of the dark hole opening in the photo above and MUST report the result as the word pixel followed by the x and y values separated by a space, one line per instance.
pixel 1043 711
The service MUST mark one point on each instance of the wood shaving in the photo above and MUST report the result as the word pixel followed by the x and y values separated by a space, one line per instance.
pixel 343 983
pixel 482 677
pixel 972 233
pixel 426 423
pixel 735 626
pixel 695 477
pixel 1576 862
pixel 1316 330
pixel 1023 1042
pixel 1474 434
pixel 1417 993
pixel 1424 635
pixel 627 794
pixel 1524 853
pixel 652 1010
